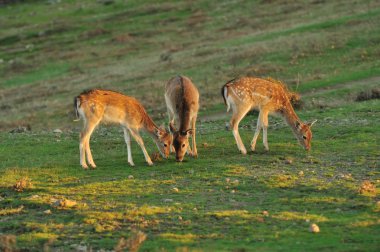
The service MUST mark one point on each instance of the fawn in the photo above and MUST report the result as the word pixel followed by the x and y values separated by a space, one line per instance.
pixel 182 102
pixel 95 106
pixel 267 96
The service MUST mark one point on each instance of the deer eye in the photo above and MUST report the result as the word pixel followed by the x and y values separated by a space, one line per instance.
pixel 165 145
pixel 304 137
pixel 183 145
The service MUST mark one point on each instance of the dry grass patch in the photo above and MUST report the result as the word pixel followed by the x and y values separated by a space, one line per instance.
pixel 10 211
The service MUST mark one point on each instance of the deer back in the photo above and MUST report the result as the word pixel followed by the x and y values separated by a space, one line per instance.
pixel 112 107
pixel 183 98
pixel 257 92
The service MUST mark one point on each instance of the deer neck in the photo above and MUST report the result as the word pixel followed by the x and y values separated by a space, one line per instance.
pixel 291 118
pixel 150 126
pixel 184 121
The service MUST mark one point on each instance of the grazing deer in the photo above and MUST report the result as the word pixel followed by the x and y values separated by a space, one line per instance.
pixel 182 102
pixel 97 105
pixel 268 96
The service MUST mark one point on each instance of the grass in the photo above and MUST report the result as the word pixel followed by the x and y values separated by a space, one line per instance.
pixel 229 194
pixel 223 201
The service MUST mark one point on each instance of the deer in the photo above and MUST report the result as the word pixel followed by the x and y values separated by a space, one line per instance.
pixel 97 105
pixel 182 102
pixel 268 96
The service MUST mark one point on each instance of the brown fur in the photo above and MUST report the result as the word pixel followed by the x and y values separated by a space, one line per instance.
pixel 182 101
pixel 267 96
pixel 95 106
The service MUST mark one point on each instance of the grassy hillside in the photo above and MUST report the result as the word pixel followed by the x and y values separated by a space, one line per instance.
pixel 51 52
pixel 223 201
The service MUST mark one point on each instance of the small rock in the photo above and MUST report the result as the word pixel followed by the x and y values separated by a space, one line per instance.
pixel 314 228
pixel 301 174
pixel 233 191
pixel 167 200
pixel 175 189
pixel 235 182
pixel 266 213
pixel 47 211
pixel 180 218
pixel 228 180
pixel 288 161
pixel 131 177
pixel 195 209
pixel 57 131
pixel 21 129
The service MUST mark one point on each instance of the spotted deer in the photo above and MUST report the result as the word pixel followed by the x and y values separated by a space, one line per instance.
pixel 182 102
pixel 269 97
pixel 95 106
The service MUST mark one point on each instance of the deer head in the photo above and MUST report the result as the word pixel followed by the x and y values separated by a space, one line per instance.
pixel 163 141
pixel 304 134
pixel 180 142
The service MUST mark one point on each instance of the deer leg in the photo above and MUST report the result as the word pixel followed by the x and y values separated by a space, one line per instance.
pixel 171 118
pixel 135 134
pixel 171 122
pixel 195 152
pixel 257 132
pixel 90 129
pixel 127 138
pixel 265 130
pixel 238 115
pixel 82 150
pixel 84 144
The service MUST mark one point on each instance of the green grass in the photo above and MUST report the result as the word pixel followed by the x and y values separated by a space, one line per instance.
pixel 208 212
pixel 327 50
pixel 47 72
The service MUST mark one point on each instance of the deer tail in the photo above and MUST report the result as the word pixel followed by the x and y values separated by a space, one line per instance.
pixel 76 106
pixel 224 92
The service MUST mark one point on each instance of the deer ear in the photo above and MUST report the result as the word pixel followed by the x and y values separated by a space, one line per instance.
pixel 298 125
pixel 171 128
pixel 189 132
pixel 312 123
pixel 158 132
